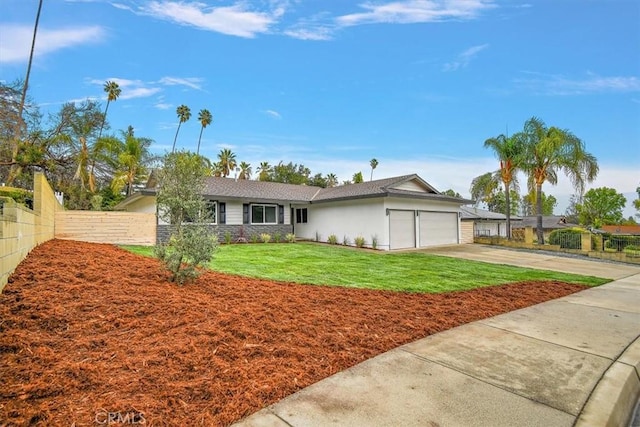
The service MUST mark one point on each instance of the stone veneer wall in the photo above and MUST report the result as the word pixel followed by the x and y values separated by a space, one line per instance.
pixel 237 231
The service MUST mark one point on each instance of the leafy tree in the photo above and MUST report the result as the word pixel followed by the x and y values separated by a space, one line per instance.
pixel 357 178
pixel 509 152
pixel 571 214
pixel 451 193
pixel 374 164
pixel 184 114
pixel 548 151
pixel 205 118
pixel 636 203
pixel 529 201
pixel 318 181
pixel 245 171
pixel 227 161
pixel 601 206
pixel 499 203
pixel 264 171
pixel 484 189
pixel 179 200
pixel 291 173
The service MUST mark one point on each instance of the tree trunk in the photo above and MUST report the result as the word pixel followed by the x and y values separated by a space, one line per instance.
pixel 199 139
pixel 539 230
pixel 173 149
pixel 508 213
pixel 15 168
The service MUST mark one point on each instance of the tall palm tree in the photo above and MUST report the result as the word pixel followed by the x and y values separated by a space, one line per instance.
pixel 549 150
pixel 332 180
pixel 184 114
pixel 509 152
pixel 245 171
pixel 15 168
pixel 227 161
pixel 263 171
pixel 112 89
pixel 205 118
pixel 374 164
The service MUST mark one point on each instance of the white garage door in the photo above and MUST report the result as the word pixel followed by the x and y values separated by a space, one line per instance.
pixel 438 228
pixel 402 229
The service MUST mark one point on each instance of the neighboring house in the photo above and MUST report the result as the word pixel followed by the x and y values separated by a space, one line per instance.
pixel 483 223
pixel 400 212
pixel 628 230
pixel 549 223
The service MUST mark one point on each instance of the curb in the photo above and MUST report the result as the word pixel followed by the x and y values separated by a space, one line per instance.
pixel 616 395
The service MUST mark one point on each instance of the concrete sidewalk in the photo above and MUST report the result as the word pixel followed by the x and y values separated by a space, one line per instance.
pixel 570 361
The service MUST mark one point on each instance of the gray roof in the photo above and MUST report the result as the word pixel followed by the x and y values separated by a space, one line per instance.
pixel 470 212
pixel 245 189
pixel 549 222
pixel 264 191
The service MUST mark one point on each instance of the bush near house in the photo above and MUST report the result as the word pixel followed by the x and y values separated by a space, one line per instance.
pixel 567 238
pixel 19 195
pixel 620 243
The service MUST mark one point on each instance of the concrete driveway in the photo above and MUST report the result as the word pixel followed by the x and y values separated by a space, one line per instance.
pixel 538 259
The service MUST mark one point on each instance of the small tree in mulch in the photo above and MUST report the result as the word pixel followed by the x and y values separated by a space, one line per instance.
pixel 193 241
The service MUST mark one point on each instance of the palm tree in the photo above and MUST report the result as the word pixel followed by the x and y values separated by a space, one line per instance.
pixel 133 157
pixel 15 168
pixel 374 164
pixel 205 118
pixel 264 170
pixel 245 171
pixel 184 114
pixel 113 92
pixel 332 180
pixel 227 161
pixel 509 153
pixel 548 151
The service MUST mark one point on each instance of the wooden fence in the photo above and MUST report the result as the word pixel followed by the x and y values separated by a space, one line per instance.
pixel 125 228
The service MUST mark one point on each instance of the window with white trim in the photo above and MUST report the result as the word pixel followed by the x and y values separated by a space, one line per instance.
pixel 264 214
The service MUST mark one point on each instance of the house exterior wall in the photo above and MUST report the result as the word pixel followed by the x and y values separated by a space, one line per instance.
pixel 364 217
pixel 466 231
pixel 355 218
pixel 490 228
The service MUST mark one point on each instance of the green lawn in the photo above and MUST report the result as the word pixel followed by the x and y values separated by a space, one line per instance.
pixel 340 266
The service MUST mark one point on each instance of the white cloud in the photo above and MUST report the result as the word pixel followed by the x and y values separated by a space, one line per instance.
pixel 416 11
pixel 559 85
pixel 130 89
pixel 16 40
pixel 192 82
pixel 233 20
pixel 273 114
pixel 310 33
pixel 464 58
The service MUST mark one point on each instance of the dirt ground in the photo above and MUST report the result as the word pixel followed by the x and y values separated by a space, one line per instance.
pixel 91 334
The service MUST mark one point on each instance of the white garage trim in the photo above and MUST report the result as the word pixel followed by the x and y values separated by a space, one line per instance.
pixel 402 229
pixel 438 228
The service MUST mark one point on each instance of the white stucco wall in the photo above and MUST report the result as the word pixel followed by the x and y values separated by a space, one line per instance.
pixel 490 228
pixel 363 217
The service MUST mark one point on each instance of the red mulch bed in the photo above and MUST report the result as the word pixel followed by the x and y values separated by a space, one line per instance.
pixel 87 329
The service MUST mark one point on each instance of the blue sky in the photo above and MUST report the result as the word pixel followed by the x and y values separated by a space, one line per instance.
pixel 417 84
